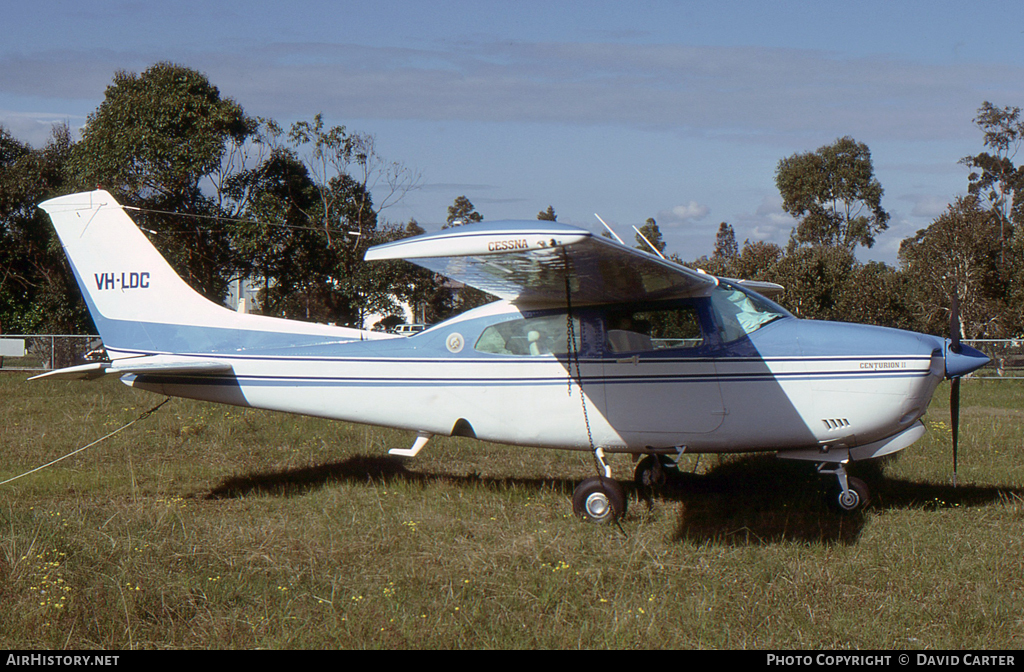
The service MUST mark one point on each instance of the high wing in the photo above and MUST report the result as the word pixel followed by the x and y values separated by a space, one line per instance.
pixel 768 289
pixel 527 262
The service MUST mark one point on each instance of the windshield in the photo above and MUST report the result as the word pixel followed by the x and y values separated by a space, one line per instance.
pixel 739 313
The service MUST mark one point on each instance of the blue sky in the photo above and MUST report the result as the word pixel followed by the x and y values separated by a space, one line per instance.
pixel 674 110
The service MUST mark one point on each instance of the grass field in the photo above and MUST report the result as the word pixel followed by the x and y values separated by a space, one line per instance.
pixel 209 526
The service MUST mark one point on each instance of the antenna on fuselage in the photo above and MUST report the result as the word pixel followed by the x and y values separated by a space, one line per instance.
pixel 614 235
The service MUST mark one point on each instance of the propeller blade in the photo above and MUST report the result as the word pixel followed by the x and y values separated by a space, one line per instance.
pixel 954 388
pixel 954 419
pixel 954 323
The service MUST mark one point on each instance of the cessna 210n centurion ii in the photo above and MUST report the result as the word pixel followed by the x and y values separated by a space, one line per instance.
pixel 593 346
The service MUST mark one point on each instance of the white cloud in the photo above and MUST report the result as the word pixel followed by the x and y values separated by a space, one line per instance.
pixel 927 205
pixel 692 211
pixel 36 128
pixel 768 223
pixel 745 93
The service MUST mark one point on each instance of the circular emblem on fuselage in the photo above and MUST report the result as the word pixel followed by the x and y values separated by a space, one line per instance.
pixel 454 342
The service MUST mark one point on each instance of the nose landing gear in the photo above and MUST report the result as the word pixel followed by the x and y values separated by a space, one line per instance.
pixel 852 495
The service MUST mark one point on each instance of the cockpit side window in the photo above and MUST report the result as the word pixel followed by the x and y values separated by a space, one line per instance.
pixel 531 336
pixel 739 314
pixel 645 330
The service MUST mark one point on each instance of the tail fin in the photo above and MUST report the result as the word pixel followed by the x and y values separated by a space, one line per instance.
pixel 141 306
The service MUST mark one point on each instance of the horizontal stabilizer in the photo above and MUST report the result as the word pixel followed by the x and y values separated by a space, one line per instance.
pixel 82 372
pixel 137 365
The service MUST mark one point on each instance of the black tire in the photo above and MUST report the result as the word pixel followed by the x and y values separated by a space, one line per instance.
pixel 599 500
pixel 649 473
pixel 855 499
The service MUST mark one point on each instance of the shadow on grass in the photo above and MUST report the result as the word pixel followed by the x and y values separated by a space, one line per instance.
pixel 903 494
pixel 752 500
pixel 360 469
pixel 760 499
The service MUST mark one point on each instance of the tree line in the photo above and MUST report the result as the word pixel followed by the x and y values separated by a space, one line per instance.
pixel 224 195
pixel 974 250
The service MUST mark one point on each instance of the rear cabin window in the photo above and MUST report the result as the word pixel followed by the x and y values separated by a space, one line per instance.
pixel 642 330
pixel 546 335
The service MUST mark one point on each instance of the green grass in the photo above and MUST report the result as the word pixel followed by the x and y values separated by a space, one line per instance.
pixel 215 527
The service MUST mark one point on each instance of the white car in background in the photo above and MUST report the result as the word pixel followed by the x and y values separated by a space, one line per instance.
pixel 408 329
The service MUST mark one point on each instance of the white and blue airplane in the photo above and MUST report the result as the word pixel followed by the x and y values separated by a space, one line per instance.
pixel 593 346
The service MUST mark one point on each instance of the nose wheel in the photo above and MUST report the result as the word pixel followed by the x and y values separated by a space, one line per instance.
pixel 854 498
pixel 852 495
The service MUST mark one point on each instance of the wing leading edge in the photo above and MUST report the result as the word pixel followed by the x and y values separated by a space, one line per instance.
pixel 528 262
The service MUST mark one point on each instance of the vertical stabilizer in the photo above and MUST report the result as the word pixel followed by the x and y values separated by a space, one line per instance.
pixel 141 306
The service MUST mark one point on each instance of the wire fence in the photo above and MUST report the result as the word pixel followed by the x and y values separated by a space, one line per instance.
pixel 44 352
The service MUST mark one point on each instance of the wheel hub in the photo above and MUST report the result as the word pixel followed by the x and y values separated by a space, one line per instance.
pixel 597 505
pixel 849 499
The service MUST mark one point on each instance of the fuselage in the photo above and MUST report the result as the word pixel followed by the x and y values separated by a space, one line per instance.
pixel 730 372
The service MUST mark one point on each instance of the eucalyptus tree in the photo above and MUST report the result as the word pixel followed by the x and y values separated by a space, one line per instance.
pixel 994 177
pixel 999 183
pixel 816 281
pixel 959 254
pixel 275 244
pixel 460 212
pixel 330 153
pixel 154 141
pixel 834 193
pixel 310 216
pixel 37 289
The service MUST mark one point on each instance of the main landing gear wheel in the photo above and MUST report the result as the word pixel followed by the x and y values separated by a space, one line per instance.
pixel 854 498
pixel 654 472
pixel 599 500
